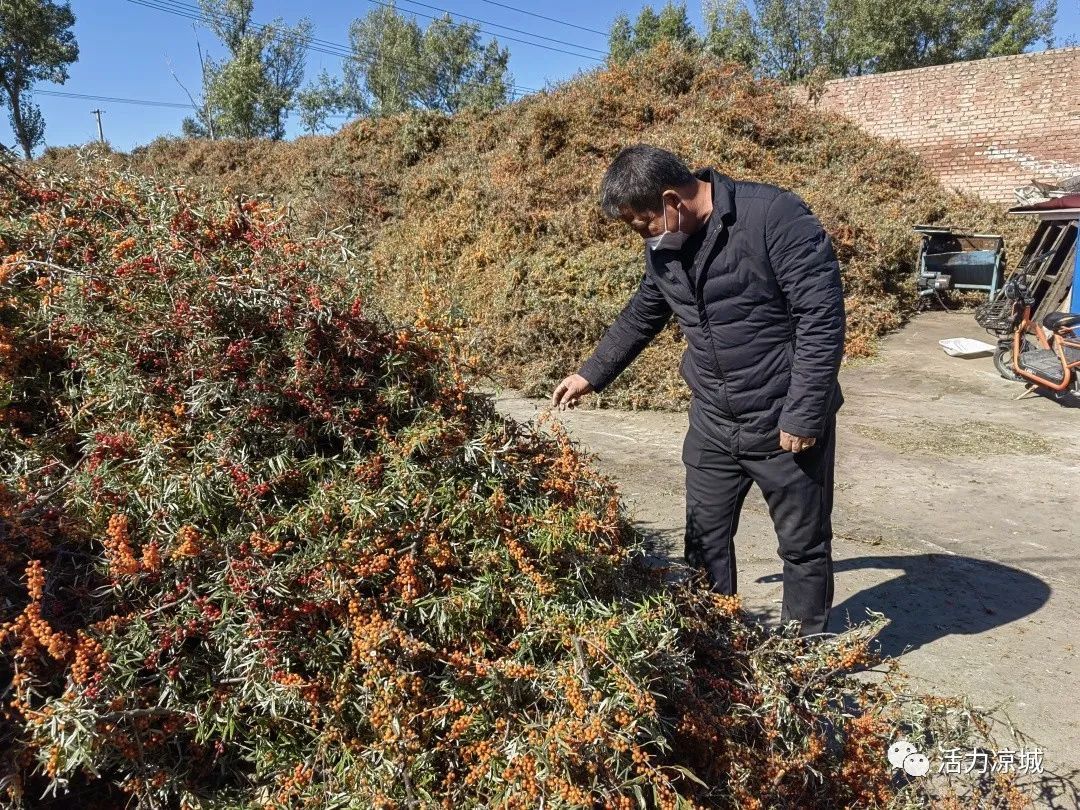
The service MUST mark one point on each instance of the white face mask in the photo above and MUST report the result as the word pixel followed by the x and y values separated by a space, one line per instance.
pixel 668 240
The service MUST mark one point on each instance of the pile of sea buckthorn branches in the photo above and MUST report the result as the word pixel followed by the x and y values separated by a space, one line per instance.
pixel 262 548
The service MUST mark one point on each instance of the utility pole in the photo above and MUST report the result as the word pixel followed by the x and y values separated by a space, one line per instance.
pixel 100 134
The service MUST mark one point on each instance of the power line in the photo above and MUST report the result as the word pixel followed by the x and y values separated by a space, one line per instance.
pixel 191 13
pixel 141 101
pixel 113 99
pixel 511 39
pixel 178 105
pixel 549 19
pixel 194 12
pixel 325 47
pixel 508 28
pixel 329 48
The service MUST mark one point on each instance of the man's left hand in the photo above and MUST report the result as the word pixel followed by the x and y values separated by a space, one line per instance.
pixel 795 444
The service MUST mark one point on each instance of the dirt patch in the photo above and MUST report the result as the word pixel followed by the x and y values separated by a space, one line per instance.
pixel 969 438
pixel 972 555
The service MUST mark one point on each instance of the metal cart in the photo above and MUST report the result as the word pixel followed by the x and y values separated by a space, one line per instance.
pixel 952 259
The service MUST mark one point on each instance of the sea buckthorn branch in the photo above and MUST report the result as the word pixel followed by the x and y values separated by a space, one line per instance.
pixel 265 547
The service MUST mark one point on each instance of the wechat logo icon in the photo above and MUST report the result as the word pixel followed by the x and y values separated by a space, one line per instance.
pixel 904 755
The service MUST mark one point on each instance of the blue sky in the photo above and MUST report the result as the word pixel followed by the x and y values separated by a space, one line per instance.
pixel 128 50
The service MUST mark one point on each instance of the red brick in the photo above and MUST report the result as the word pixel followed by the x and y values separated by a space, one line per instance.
pixel 985 126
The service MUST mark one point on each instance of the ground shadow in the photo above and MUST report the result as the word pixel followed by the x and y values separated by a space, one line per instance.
pixel 925 597
pixel 935 595
pixel 1066 399
pixel 660 544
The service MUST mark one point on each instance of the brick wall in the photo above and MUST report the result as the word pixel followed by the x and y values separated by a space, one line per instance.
pixel 985 126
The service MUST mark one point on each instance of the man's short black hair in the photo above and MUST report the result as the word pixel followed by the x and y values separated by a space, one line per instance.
pixel 639 176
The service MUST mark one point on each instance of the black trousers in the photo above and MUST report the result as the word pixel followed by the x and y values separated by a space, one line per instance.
pixel 798 488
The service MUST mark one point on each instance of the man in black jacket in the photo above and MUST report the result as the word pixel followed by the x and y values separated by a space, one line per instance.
pixel 750 276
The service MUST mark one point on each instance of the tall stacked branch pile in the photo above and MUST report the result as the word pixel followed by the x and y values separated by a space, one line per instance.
pixel 496 213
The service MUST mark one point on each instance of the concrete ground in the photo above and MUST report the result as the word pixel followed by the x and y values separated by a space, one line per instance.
pixel 957 515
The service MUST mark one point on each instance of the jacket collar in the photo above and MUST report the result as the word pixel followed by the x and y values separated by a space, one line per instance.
pixel 723 189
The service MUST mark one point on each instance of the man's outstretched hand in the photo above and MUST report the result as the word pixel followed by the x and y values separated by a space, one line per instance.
pixel 569 391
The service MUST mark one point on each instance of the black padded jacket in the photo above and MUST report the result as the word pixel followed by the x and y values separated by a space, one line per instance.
pixel 762 310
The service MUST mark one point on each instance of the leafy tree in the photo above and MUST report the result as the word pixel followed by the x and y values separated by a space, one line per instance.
pixel 250 94
pixel 649 29
pixel 283 65
pixel 674 26
pixel 318 101
pixel 916 33
pixel 792 36
pixel 795 39
pixel 731 32
pixel 621 39
pixel 458 73
pixel 646 29
pixel 787 39
pixel 396 66
pixel 384 73
pixel 492 81
pixel 36 44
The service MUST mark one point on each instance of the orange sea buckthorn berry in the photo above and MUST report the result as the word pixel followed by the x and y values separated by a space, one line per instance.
pixel 118 548
pixel 189 542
